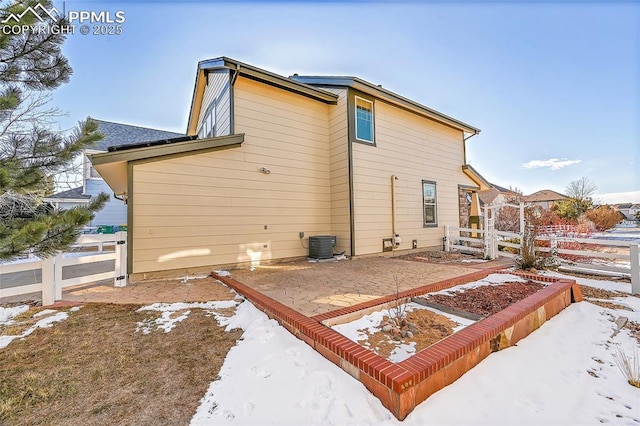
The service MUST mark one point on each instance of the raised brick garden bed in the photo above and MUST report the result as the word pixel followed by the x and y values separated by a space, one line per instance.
pixel 402 386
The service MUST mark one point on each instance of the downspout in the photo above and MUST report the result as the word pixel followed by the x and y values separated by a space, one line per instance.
pixel 235 75
pixel 232 82
pixel 396 236
pixel 123 197
pixel 464 145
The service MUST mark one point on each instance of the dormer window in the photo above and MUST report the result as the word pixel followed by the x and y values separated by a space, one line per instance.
pixel 208 126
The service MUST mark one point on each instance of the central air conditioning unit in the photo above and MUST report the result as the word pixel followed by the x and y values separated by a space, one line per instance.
pixel 321 246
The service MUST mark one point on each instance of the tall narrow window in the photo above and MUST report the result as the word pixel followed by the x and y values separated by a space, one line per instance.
pixel 430 203
pixel 212 122
pixel 208 127
pixel 364 120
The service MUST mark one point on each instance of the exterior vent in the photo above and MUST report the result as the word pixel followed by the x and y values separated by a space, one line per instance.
pixel 321 246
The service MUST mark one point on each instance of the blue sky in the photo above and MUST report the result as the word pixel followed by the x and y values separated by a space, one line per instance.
pixel 554 86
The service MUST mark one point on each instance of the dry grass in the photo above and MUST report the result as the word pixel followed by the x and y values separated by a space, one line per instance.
pixel 629 366
pixel 94 369
pixel 592 294
pixel 634 330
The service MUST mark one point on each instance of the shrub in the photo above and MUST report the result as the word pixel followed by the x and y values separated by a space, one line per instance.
pixel 604 217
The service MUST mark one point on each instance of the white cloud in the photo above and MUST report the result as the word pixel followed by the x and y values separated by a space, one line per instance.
pixel 618 197
pixel 552 163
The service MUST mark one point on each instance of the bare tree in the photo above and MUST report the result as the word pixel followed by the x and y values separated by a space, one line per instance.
pixel 581 189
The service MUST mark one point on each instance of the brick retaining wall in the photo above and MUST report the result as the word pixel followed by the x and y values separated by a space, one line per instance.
pixel 402 386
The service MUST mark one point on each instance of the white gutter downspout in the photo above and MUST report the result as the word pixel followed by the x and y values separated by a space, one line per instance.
pixel 396 236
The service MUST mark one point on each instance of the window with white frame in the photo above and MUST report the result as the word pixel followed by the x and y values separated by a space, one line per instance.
pixel 364 120
pixel 430 203
pixel 208 126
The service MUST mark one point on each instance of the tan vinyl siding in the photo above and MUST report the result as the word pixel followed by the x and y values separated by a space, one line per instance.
pixel 339 165
pixel 414 149
pixel 212 208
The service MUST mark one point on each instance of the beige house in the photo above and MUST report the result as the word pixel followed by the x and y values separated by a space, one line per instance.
pixel 545 198
pixel 270 160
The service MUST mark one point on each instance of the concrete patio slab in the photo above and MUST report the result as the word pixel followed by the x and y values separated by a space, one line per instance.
pixel 313 288
pixel 145 292
pixel 309 288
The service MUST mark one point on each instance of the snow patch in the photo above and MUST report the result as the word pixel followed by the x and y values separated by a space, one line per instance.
pixel 271 377
pixel 173 313
pixel 45 322
pixel 6 314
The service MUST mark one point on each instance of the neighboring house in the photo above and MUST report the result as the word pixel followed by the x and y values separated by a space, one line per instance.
pixel 115 134
pixel 270 158
pixel 68 199
pixel 545 198
pixel 629 210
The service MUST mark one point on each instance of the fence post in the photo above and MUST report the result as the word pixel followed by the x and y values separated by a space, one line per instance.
pixel 635 268
pixel 553 243
pixel 120 279
pixel 446 238
pixel 57 276
pixel 48 281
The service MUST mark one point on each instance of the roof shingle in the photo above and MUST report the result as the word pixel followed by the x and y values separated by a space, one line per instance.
pixel 117 134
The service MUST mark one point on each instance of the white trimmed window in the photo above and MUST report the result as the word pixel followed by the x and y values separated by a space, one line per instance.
pixel 430 203
pixel 208 126
pixel 364 120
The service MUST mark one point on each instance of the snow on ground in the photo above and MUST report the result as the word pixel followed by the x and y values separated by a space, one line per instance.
pixel 371 323
pixel 611 285
pixel 271 377
pixel 48 318
pixel 563 373
pixel 6 314
pixel 173 313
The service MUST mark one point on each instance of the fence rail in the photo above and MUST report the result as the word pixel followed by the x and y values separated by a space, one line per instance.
pixel 55 271
pixel 593 248
pixel 453 239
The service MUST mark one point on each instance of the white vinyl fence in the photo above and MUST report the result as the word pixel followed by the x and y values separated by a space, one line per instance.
pixel 50 276
pixel 593 254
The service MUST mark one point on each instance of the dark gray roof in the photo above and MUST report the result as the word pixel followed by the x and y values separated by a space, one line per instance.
pixel 501 188
pixel 117 134
pixel 74 193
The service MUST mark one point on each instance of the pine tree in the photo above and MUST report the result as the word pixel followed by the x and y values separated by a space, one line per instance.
pixel 31 66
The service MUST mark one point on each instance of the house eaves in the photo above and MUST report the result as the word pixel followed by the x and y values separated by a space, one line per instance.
pixel 113 165
pixel 387 95
pixel 254 73
pixel 476 177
